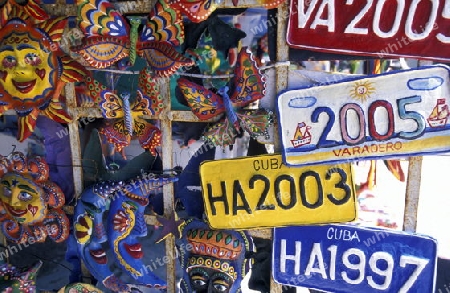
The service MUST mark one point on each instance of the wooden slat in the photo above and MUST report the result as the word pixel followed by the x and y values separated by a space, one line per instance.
pixel 168 191
pixel 75 144
pixel 412 194
pixel 281 78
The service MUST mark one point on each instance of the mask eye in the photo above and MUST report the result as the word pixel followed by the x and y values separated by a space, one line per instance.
pixel 6 192
pixel 32 58
pixel 220 288
pixel 25 196
pixel 9 62
pixel 199 283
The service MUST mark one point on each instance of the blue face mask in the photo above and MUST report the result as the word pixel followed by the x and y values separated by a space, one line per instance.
pixel 212 260
pixel 103 244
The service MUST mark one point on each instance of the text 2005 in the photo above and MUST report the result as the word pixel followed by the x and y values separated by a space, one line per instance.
pixel 359 24
pixel 404 114
pixel 284 200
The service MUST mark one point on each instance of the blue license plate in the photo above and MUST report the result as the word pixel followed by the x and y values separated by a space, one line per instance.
pixel 352 259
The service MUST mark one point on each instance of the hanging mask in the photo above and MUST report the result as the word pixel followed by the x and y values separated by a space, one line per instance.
pixel 115 241
pixel 30 204
pixel 213 260
pixel 33 69
pixel 13 280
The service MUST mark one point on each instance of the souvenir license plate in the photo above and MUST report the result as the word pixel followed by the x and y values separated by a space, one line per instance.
pixel 260 191
pixel 349 259
pixel 392 115
pixel 377 28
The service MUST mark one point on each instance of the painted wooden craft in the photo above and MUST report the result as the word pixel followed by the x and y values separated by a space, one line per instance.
pixel 123 116
pixel 392 115
pixel 195 10
pixel 268 4
pixel 213 260
pixel 122 204
pixel 109 38
pixel 79 288
pixel 263 192
pixel 31 8
pixel 14 280
pixel 410 28
pixel 347 259
pixel 33 69
pixel 30 204
pixel 247 86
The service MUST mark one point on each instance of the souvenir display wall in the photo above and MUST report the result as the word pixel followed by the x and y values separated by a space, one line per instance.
pixel 220 146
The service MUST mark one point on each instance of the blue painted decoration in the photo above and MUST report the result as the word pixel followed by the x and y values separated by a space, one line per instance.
pixel 349 259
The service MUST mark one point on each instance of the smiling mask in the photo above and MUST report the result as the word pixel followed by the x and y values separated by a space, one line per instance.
pixel 33 69
pixel 30 204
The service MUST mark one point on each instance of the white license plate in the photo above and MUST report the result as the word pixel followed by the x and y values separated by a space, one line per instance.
pixel 397 114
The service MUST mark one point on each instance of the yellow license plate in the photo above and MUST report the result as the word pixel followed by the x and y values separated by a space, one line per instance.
pixel 257 192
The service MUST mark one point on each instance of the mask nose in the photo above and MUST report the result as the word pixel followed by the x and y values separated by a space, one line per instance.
pixel 140 228
pixel 15 198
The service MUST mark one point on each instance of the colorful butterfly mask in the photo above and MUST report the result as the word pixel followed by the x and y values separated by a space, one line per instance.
pixel 123 115
pixel 30 204
pixel 109 37
pixel 247 86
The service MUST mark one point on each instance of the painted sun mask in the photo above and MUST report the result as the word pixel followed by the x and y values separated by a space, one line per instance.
pixel 30 204
pixel 216 261
pixel 105 241
pixel 33 70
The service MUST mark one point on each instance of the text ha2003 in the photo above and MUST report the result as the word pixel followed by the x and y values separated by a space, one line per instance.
pixel 261 191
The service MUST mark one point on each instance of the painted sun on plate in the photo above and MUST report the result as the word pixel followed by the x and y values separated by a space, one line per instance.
pixel 361 90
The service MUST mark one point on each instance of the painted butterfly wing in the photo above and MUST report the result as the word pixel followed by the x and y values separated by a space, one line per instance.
pixel 149 90
pixel 248 83
pixel 102 52
pixel 163 58
pixel 255 122
pixel 164 24
pixel 204 103
pixel 196 10
pixel 94 88
pixel 221 133
pixel 116 133
pixel 99 18
pixel 111 105
pixel 148 134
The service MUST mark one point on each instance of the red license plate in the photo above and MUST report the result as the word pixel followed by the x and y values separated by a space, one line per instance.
pixel 382 28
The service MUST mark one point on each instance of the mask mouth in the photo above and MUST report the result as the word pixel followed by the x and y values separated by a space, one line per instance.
pixel 15 212
pixel 99 256
pixel 134 250
pixel 25 86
